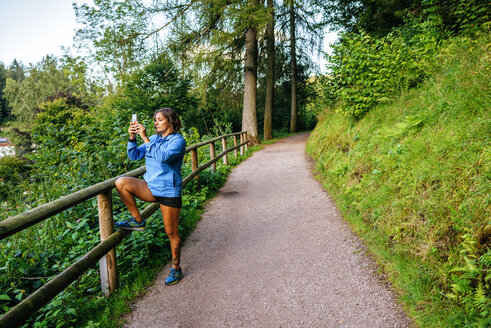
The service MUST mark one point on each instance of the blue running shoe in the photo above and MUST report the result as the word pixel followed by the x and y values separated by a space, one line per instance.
pixel 131 224
pixel 174 277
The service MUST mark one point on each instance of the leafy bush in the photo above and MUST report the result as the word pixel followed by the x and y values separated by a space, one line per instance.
pixel 470 15
pixel 366 71
pixel 13 170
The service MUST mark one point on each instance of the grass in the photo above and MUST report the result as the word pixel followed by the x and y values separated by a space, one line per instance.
pixel 413 180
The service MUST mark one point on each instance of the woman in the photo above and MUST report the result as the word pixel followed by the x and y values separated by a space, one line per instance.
pixel 163 154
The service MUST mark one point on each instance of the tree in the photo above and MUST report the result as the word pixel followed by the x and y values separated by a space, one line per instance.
pixel 379 17
pixel 249 115
pixel 268 110
pixel 304 22
pixel 4 106
pixel 116 31
pixel 293 59
pixel 209 37
pixel 14 72
pixel 46 80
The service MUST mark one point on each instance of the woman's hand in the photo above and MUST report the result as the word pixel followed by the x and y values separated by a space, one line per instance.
pixel 133 130
pixel 142 132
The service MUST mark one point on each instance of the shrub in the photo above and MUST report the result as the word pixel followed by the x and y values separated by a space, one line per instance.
pixel 367 71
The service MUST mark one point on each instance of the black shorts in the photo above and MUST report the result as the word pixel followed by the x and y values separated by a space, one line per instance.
pixel 175 202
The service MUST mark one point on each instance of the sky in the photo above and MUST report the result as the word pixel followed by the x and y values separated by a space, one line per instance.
pixel 32 29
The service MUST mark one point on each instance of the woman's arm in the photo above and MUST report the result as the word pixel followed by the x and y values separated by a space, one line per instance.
pixel 134 152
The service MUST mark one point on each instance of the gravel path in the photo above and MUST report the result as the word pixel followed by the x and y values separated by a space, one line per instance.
pixel 271 250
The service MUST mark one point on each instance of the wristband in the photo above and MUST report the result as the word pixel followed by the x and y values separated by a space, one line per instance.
pixel 131 140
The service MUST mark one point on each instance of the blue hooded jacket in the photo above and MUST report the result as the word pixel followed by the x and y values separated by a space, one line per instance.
pixel 163 159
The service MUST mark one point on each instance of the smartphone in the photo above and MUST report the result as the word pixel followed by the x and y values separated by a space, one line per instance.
pixel 133 118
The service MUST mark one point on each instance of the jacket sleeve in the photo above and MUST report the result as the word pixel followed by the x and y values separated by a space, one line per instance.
pixel 134 152
pixel 175 149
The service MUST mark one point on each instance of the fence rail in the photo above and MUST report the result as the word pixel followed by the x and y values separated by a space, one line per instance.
pixel 104 252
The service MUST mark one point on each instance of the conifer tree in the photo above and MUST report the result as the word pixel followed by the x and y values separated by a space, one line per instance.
pixel 270 39
pixel 293 68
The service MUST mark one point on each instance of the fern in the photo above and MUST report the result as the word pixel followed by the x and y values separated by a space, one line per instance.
pixel 481 302
pixel 471 277
pixel 485 259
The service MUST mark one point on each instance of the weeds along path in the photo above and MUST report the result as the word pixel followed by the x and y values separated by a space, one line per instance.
pixel 271 250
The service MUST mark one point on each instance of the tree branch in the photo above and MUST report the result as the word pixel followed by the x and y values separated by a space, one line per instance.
pixel 172 20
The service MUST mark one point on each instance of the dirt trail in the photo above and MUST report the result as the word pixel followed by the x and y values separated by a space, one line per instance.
pixel 271 250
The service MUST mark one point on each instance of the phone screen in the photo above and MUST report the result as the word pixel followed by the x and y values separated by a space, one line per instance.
pixel 133 118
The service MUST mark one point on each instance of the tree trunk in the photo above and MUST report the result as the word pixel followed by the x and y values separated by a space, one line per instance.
pixel 268 111
pixel 293 55
pixel 249 116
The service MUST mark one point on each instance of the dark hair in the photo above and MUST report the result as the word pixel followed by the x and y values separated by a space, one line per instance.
pixel 171 116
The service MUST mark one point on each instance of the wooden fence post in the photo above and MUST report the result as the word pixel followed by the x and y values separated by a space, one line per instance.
pixel 212 156
pixel 194 163
pixel 107 264
pixel 235 145
pixel 241 141
pixel 224 146
pixel 245 139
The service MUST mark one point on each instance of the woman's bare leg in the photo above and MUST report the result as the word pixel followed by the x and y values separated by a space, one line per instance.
pixel 171 223
pixel 129 188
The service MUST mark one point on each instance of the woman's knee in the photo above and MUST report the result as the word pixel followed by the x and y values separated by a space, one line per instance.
pixel 172 233
pixel 121 183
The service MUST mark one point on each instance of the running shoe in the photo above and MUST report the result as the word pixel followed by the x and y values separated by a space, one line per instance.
pixel 174 277
pixel 131 224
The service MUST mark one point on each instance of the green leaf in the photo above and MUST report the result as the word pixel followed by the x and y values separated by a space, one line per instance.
pixel 71 311
pixel 4 297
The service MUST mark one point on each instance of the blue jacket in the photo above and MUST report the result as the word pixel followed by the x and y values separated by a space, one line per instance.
pixel 163 159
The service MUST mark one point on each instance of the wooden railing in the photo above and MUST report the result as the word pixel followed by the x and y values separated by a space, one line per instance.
pixel 104 252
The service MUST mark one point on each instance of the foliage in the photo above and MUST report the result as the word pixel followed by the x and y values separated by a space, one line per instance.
pixel 320 96
pixel 4 106
pixel 366 71
pixel 412 177
pixel 282 98
pixel 470 15
pixel 16 72
pixel 471 277
pixel 115 31
pixel 158 85
pixel 377 17
pixel 13 170
pixel 380 17
pixel 49 79
pixel 45 79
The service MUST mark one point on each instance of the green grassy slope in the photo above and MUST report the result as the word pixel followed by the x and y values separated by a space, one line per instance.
pixel 413 180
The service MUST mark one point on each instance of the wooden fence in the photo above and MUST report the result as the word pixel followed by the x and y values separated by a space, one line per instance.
pixel 104 252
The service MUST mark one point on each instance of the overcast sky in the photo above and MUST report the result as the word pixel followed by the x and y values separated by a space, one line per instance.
pixel 32 29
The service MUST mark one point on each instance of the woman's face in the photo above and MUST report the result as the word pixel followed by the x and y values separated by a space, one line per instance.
pixel 162 125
